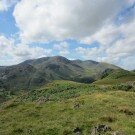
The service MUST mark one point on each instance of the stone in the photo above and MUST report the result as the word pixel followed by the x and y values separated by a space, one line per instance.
pixel 118 133
pixel 77 131
pixel 100 129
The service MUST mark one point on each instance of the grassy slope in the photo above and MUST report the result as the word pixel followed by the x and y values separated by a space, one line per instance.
pixel 117 77
pixel 52 110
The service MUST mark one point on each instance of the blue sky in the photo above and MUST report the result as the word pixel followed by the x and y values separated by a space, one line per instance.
pixel 70 28
pixel 7 23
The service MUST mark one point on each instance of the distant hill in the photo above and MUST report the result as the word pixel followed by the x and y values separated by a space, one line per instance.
pixel 37 72
pixel 118 76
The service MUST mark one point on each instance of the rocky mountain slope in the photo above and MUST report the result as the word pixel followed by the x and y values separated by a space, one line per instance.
pixel 37 72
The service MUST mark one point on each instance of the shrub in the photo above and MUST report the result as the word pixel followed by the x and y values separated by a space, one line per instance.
pixel 123 87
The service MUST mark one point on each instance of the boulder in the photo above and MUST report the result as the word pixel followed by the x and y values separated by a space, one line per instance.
pixel 100 129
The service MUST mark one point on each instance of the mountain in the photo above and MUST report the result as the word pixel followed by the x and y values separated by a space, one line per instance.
pixel 37 72
pixel 61 106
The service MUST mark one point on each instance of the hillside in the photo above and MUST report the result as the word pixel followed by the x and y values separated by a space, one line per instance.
pixel 37 72
pixel 58 106
pixel 69 108
pixel 117 77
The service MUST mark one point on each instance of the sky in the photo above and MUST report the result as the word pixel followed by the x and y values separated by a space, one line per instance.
pixel 100 30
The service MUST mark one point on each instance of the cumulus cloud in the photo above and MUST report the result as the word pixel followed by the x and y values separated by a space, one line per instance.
pixel 105 36
pixel 88 53
pixel 43 20
pixel 13 53
pixel 62 47
pixel 111 23
pixel 5 45
pixel 6 4
pixel 117 45
pixel 24 52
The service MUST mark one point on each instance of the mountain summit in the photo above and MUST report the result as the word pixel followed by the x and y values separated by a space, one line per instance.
pixel 37 72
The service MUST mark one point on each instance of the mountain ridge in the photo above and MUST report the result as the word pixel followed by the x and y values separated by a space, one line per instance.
pixel 37 72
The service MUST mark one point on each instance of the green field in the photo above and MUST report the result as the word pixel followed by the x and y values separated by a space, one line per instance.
pixel 61 107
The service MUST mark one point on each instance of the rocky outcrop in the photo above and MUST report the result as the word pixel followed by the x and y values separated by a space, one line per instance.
pixel 101 128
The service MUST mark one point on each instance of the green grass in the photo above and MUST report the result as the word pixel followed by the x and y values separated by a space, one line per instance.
pixel 117 77
pixel 62 106
pixel 115 81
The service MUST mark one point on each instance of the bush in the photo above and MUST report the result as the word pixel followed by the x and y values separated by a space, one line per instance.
pixel 123 87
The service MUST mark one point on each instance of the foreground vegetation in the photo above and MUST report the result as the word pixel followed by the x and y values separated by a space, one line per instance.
pixel 69 108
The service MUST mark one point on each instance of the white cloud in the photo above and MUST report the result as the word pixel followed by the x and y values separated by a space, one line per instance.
pixel 13 53
pixel 117 45
pixel 43 20
pixel 105 36
pixel 5 4
pixel 5 45
pixel 62 47
pixel 128 63
pixel 131 1
pixel 89 53
pixel 24 52
pixel 85 21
